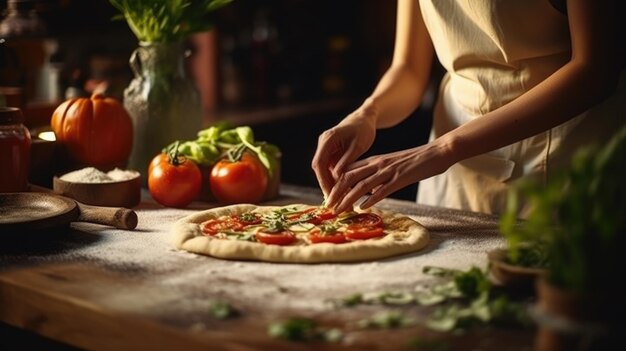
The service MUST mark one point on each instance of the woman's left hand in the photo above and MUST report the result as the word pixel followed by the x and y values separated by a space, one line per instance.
pixel 381 175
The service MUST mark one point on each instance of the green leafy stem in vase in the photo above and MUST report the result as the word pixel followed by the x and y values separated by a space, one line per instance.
pixel 167 21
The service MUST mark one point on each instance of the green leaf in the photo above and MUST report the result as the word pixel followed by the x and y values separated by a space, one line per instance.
pixel 333 335
pixel 167 21
pixel 396 298
pixel 268 162
pixel 245 135
pixel 428 299
pixel 216 4
pixel 444 320
pixel 296 329
pixel 439 271
pixel 230 136
pixel 472 283
pixel 222 310
pixel 351 300
pixel 385 320
pixel 214 132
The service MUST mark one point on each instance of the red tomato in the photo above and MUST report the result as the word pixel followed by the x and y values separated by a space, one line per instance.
pixel 174 184
pixel 156 160
pixel 317 237
pixel 319 215
pixel 284 237
pixel 365 219
pixel 359 232
pixel 214 226
pixel 322 214
pixel 248 219
pixel 243 181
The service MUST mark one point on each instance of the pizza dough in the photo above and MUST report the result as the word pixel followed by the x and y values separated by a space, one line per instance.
pixel 404 235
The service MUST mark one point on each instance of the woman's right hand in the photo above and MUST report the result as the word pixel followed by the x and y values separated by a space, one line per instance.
pixel 341 145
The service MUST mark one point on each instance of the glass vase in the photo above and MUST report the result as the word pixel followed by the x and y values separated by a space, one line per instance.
pixel 162 101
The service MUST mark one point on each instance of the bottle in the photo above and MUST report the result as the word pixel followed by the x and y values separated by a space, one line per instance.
pixel 14 150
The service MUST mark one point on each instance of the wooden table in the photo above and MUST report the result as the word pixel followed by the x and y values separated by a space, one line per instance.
pixel 96 288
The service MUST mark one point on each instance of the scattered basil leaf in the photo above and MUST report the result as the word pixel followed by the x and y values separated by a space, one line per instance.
pixel 296 329
pixel 385 320
pixel 465 297
pixel 303 329
pixel 328 228
pixel 248 217
pixel 222 310
pixel 428 299
pixel 352 300
pixel 396 298
pixel 472 283
pixel 473 300
pixel 440 271
pixel 333 335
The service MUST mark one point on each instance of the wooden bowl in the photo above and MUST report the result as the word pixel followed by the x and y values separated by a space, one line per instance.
pixel 125 193
pixel 511 275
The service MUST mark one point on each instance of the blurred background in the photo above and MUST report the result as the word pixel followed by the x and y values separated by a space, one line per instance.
pixel 288 68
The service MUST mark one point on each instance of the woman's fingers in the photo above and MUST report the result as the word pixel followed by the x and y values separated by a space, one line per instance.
pixel 349 156
pixel 323 162
pixel 351 186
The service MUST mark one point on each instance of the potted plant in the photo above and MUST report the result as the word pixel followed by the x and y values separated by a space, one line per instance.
pixel 525 257
pixel 578 220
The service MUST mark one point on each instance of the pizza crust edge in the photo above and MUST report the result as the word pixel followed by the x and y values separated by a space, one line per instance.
pixel 188 236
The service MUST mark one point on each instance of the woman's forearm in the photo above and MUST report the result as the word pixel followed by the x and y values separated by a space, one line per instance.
pixel 400 90
pixel 567 93
pixel 589 77
pixel 397 95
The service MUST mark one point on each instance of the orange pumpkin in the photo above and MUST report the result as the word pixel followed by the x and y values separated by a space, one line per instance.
pixel 96 131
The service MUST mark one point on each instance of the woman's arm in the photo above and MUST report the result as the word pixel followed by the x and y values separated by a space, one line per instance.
pixel 589 77
pixel 397 94
pixel 400 90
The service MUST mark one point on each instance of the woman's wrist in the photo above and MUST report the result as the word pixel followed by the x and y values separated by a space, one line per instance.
pixel 367 113
pixel 448 147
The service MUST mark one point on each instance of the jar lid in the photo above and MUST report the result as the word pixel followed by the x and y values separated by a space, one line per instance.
pixel 11 115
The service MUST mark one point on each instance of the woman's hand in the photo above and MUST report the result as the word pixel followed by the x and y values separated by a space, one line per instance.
pixel 341 145
pixel 398 93
pixel 381 175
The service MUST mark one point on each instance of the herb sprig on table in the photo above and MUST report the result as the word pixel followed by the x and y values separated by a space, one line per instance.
pixel 222 310
pixel 303 329
pixel 167 21
pixel 464 298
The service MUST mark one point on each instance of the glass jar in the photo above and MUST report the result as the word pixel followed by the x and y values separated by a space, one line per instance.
pixel 14 151
pixel 162 100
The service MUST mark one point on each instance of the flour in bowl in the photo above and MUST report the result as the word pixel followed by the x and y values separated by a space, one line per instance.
pixel 94 175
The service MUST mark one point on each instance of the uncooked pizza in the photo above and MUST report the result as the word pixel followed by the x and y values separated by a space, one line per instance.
pixel 298 233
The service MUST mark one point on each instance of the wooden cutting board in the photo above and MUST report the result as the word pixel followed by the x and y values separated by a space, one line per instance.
pixel 94 308
pixel 74 303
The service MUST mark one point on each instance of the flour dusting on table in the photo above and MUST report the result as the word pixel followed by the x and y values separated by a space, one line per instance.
pixel 458 240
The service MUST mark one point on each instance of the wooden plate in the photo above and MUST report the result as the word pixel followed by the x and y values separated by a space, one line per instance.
pixel 30 211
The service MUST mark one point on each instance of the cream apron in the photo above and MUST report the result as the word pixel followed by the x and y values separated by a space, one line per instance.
pixel 493 52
